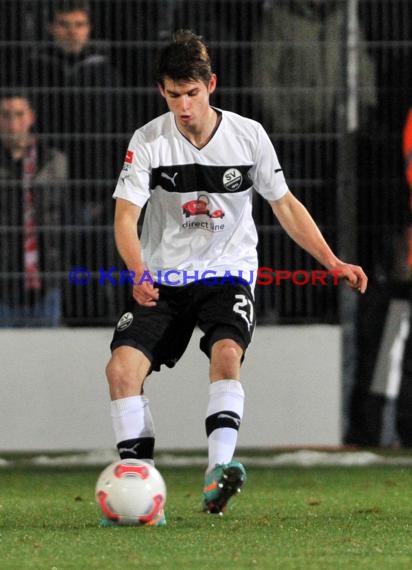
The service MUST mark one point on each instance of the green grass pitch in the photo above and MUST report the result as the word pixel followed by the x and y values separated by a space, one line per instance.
pixel 296 518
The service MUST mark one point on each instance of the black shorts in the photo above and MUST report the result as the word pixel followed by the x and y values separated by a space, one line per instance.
pixel 163 332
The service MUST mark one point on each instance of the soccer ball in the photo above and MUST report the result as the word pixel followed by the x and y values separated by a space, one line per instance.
pixel 130 492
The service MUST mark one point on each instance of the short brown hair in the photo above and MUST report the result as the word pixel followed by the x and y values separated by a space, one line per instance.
pixel 68 6
pixel 16 94
pixel 186 58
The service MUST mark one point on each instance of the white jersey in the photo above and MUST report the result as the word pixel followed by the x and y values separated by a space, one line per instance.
pixel 199 201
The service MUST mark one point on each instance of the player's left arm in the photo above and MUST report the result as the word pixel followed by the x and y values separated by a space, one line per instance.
pixel 299 224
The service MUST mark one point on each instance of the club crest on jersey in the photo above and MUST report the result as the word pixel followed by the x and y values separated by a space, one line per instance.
pixel 124 322
pixel 232 179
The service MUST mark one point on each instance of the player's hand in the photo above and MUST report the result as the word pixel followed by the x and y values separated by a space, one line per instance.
pixel 354 276
pixel 144 291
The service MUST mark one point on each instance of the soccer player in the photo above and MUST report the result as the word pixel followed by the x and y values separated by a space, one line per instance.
pixel 195 168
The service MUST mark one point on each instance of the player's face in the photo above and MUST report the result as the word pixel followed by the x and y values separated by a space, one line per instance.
pixel 16 121
pixel 189 102
pixel 71 30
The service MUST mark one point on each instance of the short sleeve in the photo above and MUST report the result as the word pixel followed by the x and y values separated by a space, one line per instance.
pixel 134 180
pixel 267 174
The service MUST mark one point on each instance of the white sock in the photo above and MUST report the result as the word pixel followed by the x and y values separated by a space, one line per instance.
pixel 132 419
pixel 224 396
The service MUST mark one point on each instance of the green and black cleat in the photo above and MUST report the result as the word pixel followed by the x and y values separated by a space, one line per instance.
pixel 221 484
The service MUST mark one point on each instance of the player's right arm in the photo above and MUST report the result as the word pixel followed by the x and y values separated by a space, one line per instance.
pixel 127 240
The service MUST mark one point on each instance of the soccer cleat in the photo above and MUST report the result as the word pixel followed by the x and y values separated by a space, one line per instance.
pixel 221 483
pixel 104 522
pixel 157 521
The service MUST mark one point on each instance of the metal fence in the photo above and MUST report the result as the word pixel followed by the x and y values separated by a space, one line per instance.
pixel 286 63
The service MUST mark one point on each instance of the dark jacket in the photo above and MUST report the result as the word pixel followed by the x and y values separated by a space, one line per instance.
pixel 75 92
pixel 75 100
pixel 49 202
pixel 299 66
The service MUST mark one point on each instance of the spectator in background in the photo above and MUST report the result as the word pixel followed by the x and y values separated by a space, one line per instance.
pixel 82 81
pixel 380 410
pixel 75 82
pixel 404 403
pixel 300 72
pixel 300 66
pixel 297 76
pixel 31 179
pixel 407 154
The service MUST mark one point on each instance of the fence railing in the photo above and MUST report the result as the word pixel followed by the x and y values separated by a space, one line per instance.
pixel 278 62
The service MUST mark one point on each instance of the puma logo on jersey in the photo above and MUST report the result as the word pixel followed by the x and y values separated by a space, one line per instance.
pixel 171 178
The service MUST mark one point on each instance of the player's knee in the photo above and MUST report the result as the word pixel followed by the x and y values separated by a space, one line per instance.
pixel 226 357
pixel 119 377
pixel 114 372
pixel 227 351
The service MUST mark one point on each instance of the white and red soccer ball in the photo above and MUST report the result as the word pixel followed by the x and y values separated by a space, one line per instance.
pixel 130 492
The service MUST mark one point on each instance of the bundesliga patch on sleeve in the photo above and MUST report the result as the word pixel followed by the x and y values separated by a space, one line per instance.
pixel 128 159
